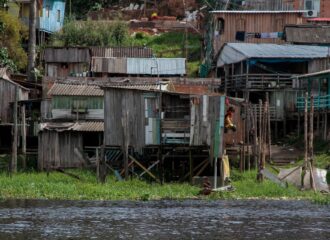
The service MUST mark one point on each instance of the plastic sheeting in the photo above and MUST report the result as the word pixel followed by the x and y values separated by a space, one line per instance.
pixel 295 178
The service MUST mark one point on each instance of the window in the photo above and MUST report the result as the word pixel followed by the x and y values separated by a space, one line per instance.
pixel 79 105
pixel 220 26
pixel 58 15
pixel 309 5
pixel 47 11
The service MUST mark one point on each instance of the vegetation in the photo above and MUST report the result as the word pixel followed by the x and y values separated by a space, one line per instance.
pixel 58 186
pixel 89 33
pixel 12 32
pixel 93 33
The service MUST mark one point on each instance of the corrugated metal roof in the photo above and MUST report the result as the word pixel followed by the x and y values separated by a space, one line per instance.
pixel 259 11
pixel 141 87
pixel 237 52
pixel 70 126
pixel 88 127
pixel 75 90
pixel 121 52
pixel 155 66
pixel 109 65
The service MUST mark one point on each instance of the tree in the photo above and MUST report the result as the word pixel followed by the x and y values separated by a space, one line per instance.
pixel 81 7
pixel 32 39
pixel 12 32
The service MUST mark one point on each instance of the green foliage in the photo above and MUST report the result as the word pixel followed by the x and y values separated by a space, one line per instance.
pixel 81 7
pixel 5 61
pixel 12 33
pixel 58 186
pixel 92 33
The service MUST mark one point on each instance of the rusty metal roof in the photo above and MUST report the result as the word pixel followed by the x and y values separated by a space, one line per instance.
pixel 122 52
pixel 73 126
pixel 59 89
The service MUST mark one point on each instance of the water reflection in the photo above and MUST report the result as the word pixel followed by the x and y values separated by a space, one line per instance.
pixel 26 219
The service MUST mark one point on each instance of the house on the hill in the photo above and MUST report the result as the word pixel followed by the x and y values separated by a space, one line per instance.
pixel 50 14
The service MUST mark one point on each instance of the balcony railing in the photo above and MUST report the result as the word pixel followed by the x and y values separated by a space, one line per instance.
pixel 260 81
pixel 274 115
pixel 320 103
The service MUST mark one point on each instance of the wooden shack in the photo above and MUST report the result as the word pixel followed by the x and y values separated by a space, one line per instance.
pixel 144 117
pixel 76 102
pixel 9 93
pixel 251 70
pixel 226 25
pixel 317 85
pixel 63 145
pixel 75 125
pixel 67 61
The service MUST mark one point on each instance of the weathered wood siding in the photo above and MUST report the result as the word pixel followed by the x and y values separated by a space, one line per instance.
pixel 56 149
pixel 119 103
pixel 65 70
pixel 67 55
pixel 317 65
pixel 7 95
pixel 252 23
pixel 204 114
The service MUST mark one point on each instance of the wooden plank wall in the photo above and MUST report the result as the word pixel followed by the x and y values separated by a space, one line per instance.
pixel 317 65
pixel 205 112
pixel 117 102
pixel 251 22
pixel 7 95
pixel 56 149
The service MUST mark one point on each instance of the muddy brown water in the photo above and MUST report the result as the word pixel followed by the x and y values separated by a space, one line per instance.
pixel 191 219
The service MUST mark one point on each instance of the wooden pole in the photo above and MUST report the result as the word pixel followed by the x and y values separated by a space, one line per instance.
pixel 325 130
pixel 311 144
pixel 190 166
pixel 260 131
pixel 269 130
pixel 13 165
pixel 305 138
pixel 23 136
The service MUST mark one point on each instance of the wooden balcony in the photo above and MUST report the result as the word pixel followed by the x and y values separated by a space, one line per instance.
pixel 259 81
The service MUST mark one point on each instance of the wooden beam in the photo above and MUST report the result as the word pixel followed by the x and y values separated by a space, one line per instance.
pixel 143 167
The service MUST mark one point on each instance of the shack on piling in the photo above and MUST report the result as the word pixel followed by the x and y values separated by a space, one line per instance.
pixel 160 120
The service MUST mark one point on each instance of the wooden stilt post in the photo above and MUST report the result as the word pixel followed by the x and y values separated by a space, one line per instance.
pixel 298 124
pixel 248 119
pixel 260 131
pixel 190 166
pixel 305 139
pixel 311 144
pixel 325 129
pixel 23 136
pixel 269 130
pixel 13 164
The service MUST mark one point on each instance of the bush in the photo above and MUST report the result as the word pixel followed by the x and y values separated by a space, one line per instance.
pixel 92 33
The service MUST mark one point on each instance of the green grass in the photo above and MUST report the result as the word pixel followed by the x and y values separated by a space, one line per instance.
pixel 59 186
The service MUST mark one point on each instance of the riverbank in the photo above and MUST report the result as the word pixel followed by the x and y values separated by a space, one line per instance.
pixel 58 186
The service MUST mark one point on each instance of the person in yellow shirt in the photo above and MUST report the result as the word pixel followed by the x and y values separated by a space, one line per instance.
pixel 229 125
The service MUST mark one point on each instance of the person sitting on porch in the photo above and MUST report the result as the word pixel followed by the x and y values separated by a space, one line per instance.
pixel 229 125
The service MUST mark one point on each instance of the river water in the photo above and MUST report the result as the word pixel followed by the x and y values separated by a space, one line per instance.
pixel 191 219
